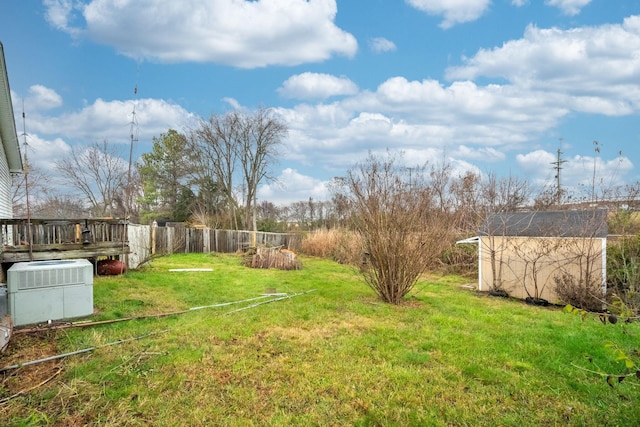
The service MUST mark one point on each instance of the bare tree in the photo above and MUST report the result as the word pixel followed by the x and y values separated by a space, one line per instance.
pixel 58 206
pixel 128 200
pixel 339 207
pixel 402 228
pixel 440 176
pixel 32 182
pixel 98 173
pixel 236 141
pixel 506 194
pixel 262 135
pixel 214 152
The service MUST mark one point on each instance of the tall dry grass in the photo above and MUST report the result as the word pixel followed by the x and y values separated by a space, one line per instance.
pixel 339 244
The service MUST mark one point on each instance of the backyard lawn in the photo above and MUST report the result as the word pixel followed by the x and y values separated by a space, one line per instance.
pixel 331 354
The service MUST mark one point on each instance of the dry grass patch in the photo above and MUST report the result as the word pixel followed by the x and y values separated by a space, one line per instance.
pixel 339 245
pixel 351 326
pixel 26 348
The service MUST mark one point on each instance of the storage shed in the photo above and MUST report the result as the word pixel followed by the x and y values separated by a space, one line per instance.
pixel 538 255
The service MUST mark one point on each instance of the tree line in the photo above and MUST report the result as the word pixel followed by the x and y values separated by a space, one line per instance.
pixel 208 175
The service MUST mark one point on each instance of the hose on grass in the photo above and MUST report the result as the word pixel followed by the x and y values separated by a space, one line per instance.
pixel 84 350
pixel 125 319
pixel 89 349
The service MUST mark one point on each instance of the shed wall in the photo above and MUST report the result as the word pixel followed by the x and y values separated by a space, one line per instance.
pixel 527 267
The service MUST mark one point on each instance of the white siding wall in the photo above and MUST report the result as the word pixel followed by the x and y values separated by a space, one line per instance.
pixel 6 208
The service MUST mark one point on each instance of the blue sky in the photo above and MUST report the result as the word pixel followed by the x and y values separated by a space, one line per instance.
pixel 493 86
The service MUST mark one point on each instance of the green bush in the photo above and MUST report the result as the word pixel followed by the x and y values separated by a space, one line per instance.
pixel 623 271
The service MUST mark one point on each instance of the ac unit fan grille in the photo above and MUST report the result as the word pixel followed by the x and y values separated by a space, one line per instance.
pixel 34 279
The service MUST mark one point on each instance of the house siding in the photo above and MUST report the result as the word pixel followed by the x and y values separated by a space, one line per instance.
pixel 6 206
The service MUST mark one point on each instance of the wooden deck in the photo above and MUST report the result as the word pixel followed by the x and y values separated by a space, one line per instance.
pixel 53 239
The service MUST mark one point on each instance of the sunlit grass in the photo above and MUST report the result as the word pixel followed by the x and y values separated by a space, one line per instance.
pixel 335 356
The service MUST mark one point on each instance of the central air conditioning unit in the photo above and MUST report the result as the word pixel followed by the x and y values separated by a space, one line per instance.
pixel 39 291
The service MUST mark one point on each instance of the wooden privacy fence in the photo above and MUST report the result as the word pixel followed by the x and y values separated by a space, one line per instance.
pixel 146 241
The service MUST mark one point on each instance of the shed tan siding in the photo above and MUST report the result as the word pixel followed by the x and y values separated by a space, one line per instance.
pixel 521 262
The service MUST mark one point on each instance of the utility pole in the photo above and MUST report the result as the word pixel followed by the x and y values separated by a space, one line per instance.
pixel 558 167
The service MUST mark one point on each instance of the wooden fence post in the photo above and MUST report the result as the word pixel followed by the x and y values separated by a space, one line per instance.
pixel 154 230
pixel 206 240
pixel 170 232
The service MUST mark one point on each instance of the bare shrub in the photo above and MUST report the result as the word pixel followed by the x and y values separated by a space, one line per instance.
pixel 349 248
pixel 403 233
pixel 586 295
pixel 460 259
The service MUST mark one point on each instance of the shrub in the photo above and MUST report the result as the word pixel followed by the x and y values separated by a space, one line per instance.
pixel 623 275
pixel 460 259
pixel 396 215
pixel 623 268
pixel 579 293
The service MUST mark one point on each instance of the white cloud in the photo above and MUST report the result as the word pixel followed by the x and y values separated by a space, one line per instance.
pixel 42 98
pixel 534 162
pixel 453 11
pixel 569 7
pixel 244 34
pixel 292 186
pixel 111 121
pixel 58 13
pixel 380 45
pixel 595 68
pixel 233 103
pixel 466 102
pixel 43 153
pixel 316 86
pixel 519 3
pixel 479 153
pixel 596 173
pixel 421 118
pixel 586 174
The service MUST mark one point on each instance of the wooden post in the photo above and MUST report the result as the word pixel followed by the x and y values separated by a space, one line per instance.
pixel 206 240
pixel 169 239
pixel 154 229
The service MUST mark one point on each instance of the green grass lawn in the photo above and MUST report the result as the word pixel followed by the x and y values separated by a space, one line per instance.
pixel 335 356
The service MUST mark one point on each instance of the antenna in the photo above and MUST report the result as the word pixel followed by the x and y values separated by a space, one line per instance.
pixel 26 183
pixel 133 134
pixel 558 167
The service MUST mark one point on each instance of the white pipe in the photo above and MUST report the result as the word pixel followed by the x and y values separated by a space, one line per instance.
pixel 85 350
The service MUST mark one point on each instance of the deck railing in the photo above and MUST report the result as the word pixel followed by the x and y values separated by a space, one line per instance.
pixel 44 239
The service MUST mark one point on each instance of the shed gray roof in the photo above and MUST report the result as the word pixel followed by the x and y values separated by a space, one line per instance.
pixel 579 223
pixel 8 135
